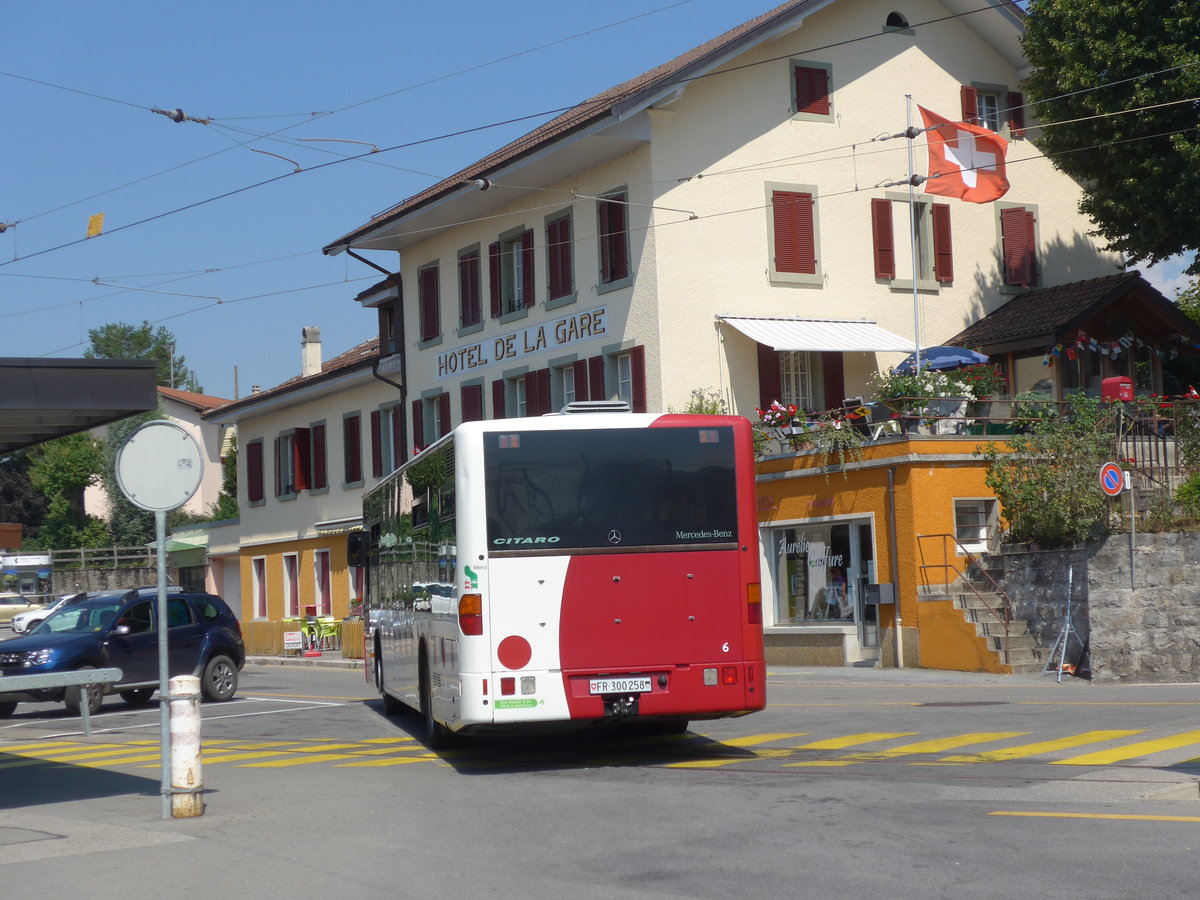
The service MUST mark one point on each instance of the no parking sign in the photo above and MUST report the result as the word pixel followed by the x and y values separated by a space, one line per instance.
pixel 1112 479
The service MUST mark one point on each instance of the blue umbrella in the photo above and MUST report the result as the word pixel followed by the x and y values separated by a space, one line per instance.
pixel 940 358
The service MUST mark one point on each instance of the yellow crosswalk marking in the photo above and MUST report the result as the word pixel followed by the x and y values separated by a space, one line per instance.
pixel 1127 816
pixel 1036 749
pixel 390 761
pixel 941 745
pixel 752 740
pixel 853 740
pixel 1129 751
pixel 297 761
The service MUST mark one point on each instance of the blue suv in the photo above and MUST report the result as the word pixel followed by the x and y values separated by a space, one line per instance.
pixel 120 629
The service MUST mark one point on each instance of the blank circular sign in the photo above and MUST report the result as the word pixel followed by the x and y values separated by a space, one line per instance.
pixel 159 466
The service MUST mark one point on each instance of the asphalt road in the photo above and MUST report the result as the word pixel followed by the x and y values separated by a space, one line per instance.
pixel 853 783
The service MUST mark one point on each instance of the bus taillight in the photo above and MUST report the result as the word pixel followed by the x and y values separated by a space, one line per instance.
pixel 470 613
pixel 754 603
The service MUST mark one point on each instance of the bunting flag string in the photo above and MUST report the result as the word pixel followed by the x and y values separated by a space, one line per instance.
pixel 1110 347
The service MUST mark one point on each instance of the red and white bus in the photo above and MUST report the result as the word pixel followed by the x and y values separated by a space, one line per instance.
pixel 568 569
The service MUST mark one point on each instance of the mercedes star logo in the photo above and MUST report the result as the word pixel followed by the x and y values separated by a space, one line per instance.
pixel 614 537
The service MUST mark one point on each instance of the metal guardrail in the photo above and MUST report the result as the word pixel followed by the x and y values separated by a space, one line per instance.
pixel 1004 615
pixel 62 679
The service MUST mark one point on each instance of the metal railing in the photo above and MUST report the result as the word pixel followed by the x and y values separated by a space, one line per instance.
pixel 1003 615
pixel 21 683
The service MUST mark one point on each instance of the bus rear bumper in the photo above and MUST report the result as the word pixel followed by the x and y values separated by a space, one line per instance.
pixel 693 691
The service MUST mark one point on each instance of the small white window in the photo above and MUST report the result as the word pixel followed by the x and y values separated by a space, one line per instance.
pixel 974 523
pixel 522 396
pixel 795 378
pixel 625 379
pixel 568 383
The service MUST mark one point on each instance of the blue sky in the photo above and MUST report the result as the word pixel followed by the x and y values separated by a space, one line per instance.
pixel 237 278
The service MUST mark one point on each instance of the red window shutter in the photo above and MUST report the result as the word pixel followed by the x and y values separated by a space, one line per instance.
pixel 614 250
pixel 637 369
pixel 320 477
pixel 770 385
pixel 427 287
pixel 545 400
pixel 943 250
pixel 812 91
pixel 498 398
pixel 581 380
pixel 302 459
pixel 527 281
pixel 376 446
pixel 969 98
pixel 278 470
pixel 418 416
pixel 596 389
pixel 472 402
pixel 352 448
pixel 795 238
pixel 444 413
pixel 254 471
pixel 495 285
pixel 558 254
pixel 884 242
pixel 1017 234
pixel 469 310
pixel 1016 113
pixel 834 377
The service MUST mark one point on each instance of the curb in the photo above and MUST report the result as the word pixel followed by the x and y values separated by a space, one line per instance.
pixel 331 662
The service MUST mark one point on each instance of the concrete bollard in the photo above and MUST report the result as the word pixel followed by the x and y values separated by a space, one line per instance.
pixel 187 785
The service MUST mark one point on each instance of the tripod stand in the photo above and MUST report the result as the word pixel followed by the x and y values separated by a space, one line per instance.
pixel 1064 635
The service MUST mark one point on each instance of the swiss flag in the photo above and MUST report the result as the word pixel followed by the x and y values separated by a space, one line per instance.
pixel 965 161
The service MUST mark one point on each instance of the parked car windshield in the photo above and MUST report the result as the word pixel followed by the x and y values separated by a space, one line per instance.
pixel 86 617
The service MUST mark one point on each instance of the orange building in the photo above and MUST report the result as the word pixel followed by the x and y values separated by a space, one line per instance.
pixel 851 550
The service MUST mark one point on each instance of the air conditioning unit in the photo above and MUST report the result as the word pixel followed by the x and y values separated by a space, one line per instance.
pixel 594 406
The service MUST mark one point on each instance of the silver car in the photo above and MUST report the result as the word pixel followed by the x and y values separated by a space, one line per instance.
pixel 23 623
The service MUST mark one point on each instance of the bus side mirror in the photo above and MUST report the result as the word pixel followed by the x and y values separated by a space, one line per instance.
pixel 356 548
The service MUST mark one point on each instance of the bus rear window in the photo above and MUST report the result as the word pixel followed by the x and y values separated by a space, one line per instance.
pixel 610 489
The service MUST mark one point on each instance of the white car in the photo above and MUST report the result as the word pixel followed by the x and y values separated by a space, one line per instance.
pixel 23 623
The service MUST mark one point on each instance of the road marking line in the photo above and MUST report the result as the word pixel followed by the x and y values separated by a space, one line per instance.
pixel 940 745
pixel 1063 815
pixel 391 761
pixel 1040 747
pixel 1129 751
pixel 853 740
pixel 297 761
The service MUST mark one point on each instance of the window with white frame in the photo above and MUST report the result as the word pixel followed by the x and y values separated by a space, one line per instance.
pixel 568 384
pixel 973 522
pixel 322 586
pixel 258 585
pixel 796 378
pixel 625 379
pixel 932 242
pixel 291 584
pixel 521 395
pixel 511 271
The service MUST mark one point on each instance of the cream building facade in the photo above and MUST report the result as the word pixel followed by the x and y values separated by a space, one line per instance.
pixel 307 449
pixel 597 256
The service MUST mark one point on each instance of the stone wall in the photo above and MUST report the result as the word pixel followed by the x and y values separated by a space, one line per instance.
pixel 1139 630
pixel 66 581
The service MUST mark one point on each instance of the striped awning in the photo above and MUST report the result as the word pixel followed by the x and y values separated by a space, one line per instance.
pixel 827 335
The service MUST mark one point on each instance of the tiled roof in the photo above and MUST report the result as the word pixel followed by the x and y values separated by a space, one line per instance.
pixel 1052 310
pixel 356 357
pixel 584 114
pixel 201 402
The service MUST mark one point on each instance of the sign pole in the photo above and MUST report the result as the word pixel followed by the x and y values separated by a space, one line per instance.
pixel 1132 529
pixel 164 672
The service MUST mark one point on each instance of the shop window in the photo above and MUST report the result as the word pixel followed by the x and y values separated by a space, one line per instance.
pixel 814 569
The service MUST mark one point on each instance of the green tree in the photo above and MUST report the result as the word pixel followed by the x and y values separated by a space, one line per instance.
pixel 1045 480
pixel 1093 60
pixel 61 469
pixel 226 505
pixel 118 340
pixel 20 501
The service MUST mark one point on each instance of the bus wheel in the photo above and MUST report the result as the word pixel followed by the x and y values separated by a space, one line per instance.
pixel 391 706
pixel 437 736
pixel 6 709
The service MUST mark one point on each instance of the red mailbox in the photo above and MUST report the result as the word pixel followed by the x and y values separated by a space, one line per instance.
pixel 1119 387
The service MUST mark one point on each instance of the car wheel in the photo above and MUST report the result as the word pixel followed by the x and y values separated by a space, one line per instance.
pixel 73 699
pixel 6 709
pixel 220 679
pixel 138 696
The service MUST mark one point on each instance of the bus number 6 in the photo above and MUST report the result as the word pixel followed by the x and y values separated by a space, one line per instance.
pixel 725 647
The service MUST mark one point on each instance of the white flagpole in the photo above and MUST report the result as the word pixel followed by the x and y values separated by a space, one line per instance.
pixel 912 236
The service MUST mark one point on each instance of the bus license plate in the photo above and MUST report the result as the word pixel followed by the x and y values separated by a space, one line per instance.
pixel 619 685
